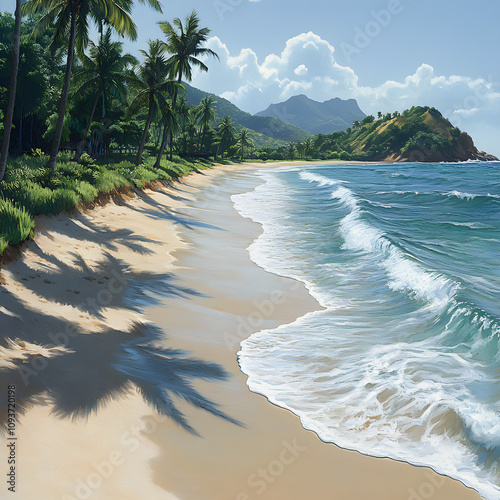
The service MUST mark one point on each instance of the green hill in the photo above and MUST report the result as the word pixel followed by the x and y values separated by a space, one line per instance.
pixel 267 131
pixel 419 134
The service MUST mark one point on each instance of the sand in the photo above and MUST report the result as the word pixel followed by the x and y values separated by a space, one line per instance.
pixel 92 309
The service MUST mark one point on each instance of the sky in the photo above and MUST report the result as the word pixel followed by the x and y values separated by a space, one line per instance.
pixel 387 54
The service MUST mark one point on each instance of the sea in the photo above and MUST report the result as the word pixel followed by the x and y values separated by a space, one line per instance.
pixel 401 358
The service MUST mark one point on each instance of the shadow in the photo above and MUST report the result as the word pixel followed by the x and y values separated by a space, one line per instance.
pixel 111 283
pixel 160 210
pixel 79 371
pixel 114 237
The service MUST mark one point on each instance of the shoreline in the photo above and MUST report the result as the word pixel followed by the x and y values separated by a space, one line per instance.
pixel 202 303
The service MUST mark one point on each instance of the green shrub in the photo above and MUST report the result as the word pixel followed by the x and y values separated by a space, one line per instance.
pixel 36 199
pixel 15 224
pixel 86 159
pixel 108 180
pixel 29 188
pixel 3 245
pixel 141 174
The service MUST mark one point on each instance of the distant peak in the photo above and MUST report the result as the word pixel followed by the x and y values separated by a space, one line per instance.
pixel 316 117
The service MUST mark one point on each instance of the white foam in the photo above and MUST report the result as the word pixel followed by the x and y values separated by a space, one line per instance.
pixel 469 196
pixel 320 179
pixel 404 274
pixel 348 375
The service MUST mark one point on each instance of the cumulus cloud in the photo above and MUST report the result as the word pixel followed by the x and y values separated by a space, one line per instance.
pixel 307 66
pixel 300 70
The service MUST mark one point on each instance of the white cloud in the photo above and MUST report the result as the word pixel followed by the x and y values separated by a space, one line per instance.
pixel 307 65
pixel 300 70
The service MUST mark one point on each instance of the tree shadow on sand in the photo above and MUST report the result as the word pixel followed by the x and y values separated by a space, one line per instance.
pixel 79 371
pixel 160 209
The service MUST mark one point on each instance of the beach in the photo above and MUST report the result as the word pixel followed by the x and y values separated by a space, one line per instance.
pixel 100 300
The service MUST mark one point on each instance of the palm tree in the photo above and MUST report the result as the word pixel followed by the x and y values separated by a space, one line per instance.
pixel 206 115
pixel 71 22
pixel 16 43
pixel 300 149
pixel 104 71
pixel 170 121
pixel 182 117
pixel 184 42
pixel 226 133
pixel 308 145
pixel 243 142
pixel 151 82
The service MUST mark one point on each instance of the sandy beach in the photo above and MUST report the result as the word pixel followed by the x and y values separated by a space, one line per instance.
pixel 109 310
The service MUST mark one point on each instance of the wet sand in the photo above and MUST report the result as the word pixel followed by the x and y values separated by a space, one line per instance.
pixel 97 303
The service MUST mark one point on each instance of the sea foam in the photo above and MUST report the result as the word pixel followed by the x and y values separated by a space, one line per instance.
pixel 400 364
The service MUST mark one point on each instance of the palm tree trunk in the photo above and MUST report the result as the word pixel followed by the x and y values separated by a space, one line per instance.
pixel 171 146
pixel 164 139
pixel 168 132
pixel 203 138
pixel 31 130
pixel 89 123
pixel 145 133
pixel 21 129
pixel 12 90
pixel 56 142
pixel 158 137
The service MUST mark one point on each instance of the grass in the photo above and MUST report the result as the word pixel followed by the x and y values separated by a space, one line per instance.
pixel 28 190
pixel 16 224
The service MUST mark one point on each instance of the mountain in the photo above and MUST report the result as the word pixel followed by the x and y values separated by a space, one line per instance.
pixel 420 134
pixel 279 131
pixel 316 117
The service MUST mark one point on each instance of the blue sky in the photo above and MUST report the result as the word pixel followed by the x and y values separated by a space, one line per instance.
pixel 387 54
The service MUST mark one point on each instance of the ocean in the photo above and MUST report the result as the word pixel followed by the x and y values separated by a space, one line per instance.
pixel 401 359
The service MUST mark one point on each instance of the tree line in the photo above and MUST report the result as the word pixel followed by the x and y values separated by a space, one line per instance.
pixel 91 97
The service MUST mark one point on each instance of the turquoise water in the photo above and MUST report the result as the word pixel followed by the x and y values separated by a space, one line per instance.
pixel 403 359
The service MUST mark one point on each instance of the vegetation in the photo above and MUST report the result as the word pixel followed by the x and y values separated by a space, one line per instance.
pixel 104 107
pixel 413 134
pixel 85 119
pixel 9 115
pixel 28 188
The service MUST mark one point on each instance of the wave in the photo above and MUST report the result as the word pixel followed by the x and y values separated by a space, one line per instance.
pixel 469 196
pixel 411 379
pixel 402 270
pixel 320 179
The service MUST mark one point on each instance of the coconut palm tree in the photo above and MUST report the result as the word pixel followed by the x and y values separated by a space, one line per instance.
pixel 243 142
pixel 105 72
pixel 308 145
pixel 191 128
pixel 182 116
pixel 71 19
pixel 170 121
pixel 300 149
pixel 184 42
pixel 16 43
pixel 226 133
pixel 151 83
pixel 206 113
